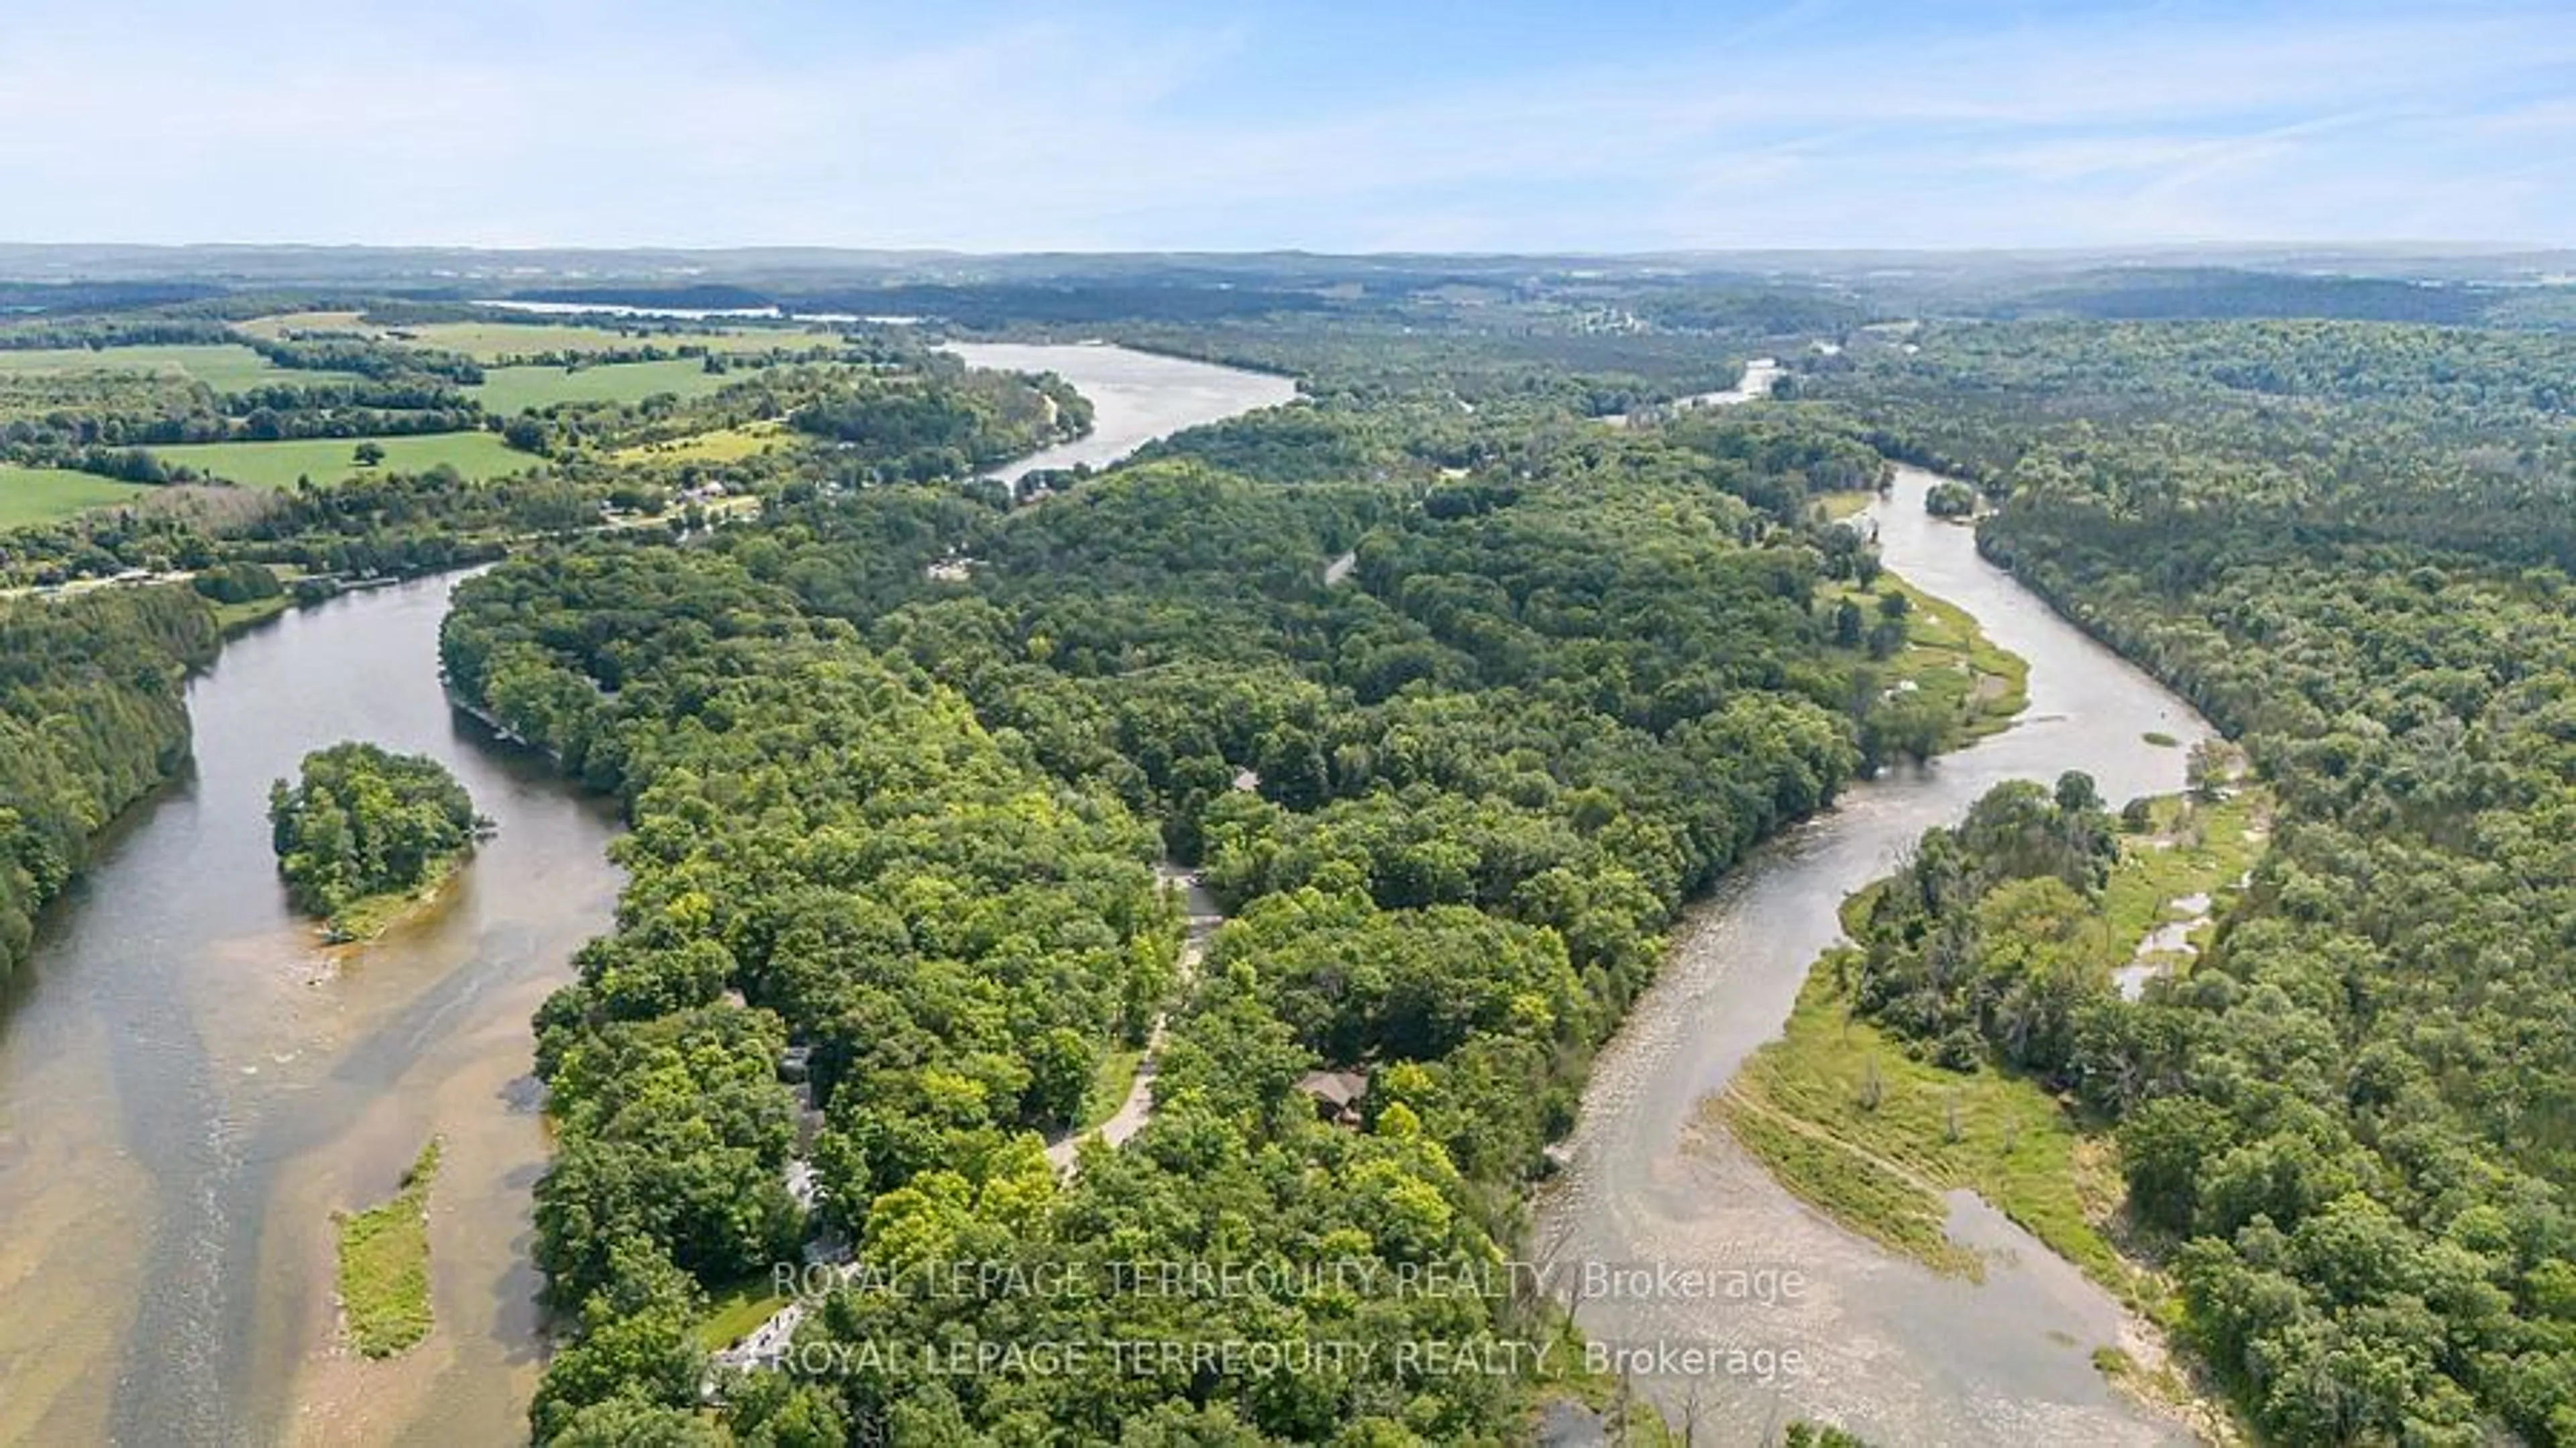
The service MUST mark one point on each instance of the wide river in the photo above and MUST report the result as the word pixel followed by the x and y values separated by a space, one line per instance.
pixel 1885 1347
pixel 1136 397
pixel 190 1086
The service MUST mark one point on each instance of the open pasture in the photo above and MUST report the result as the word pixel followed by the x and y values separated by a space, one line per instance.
pixel 329 460
pixel 509 391
pixel 45 495
pixel 221 366
pixel 494 341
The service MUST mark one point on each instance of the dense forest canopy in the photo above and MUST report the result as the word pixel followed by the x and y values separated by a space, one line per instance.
pixel 1451 802
pixel 91 720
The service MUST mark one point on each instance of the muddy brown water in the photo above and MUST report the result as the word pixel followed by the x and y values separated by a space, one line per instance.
pixel 1882 1345
pixel 190 1085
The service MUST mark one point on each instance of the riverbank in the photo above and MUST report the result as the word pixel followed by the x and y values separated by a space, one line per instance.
pixel 1862 1128
pixel 1651 1175
pixel 1856 1123
pixel 369 917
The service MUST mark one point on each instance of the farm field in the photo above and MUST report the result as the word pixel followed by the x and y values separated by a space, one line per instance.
pixel 43 495
pixel 512 390
pixel 723 445
pixel 491 341
pixel 328 460
pixel 274 327
pixel 224 367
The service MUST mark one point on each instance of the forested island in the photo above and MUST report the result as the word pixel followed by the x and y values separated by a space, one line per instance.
pixel 362 834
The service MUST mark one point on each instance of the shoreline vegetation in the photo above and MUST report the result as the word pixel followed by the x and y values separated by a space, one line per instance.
pixel 369 917
pixel 1874 1128
pixel 365 837
pixel 93 720
pixel 384 1265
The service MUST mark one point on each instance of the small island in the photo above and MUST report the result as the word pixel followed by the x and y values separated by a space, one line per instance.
pixel 364 834
pixel 384 1265
pixel 1950 498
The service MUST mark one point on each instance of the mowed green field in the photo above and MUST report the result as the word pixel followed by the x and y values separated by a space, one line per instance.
pixel 222 367
pixel 486 341
pixel 512 390
pixel 45 495
pixel 331 459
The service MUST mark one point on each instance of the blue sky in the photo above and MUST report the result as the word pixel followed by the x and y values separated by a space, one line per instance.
pixel 1506 125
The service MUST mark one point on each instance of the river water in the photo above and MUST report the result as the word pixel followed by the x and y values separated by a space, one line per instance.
pixel 189 1084
pixel 1136 397
pixel 1885 1347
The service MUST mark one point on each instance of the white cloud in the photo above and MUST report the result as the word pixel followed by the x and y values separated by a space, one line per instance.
pixel 600 124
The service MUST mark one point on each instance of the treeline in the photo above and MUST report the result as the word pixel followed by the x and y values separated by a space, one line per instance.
pixel 1452 802
pixel 98 442
pixel 376 361
pixel 93 420
pixel 101 333
pixel 378 524
pixel 864 414
pixel 2432 438
pixel 91 720
pixel 2354 1123
pixel 2174 293
pixel 943 424
pixel 1535 367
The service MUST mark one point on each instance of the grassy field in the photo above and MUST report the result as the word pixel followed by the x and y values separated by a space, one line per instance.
pixel 724 445
pixel 46 495
pixel 1111 1080
pixel 328 460
pixel 233 618
pixel 734 1311
pixel 511 390
pixel 490 341
pixel 222 367
pixel 1948 658
pixel 1845 503
pixel 274 327
pixel 384 1265
pixel 1851 1123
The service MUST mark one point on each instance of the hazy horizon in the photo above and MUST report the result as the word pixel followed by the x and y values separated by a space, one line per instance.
pixel 2463 246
